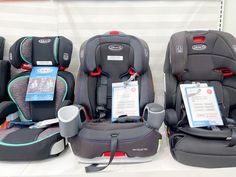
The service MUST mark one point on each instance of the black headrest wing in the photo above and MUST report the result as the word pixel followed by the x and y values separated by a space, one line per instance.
pixel 2 42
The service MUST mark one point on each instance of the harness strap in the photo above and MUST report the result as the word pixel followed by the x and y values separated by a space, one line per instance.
pixel 102 97
pixel 113 148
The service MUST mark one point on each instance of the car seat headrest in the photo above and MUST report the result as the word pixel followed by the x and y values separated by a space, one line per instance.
pixel 189 50
pixel 41 51
pixel 117 46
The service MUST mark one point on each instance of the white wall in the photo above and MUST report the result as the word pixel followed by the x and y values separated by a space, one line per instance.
pixel 153 21
pixel 230 17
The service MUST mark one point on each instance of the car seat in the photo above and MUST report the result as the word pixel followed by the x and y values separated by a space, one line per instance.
pixel 97 140
pixel 204 57
pixel 19 141
pixel 5 72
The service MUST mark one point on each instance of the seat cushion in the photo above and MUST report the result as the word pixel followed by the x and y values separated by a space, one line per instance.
pixel 27 144
pixel 135 139
pixel 202 152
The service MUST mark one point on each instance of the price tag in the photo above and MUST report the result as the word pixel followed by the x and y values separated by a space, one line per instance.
pixel 125 99
pixel 201 105
pixel 41 84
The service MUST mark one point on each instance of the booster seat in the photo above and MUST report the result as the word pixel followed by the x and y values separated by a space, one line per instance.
pixel 204 57
pixel 5 72
pixel 19 141
pixel 92 136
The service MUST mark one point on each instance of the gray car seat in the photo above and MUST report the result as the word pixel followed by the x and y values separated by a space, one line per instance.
pixel 19 141
pixel 205 57
pixel 98 140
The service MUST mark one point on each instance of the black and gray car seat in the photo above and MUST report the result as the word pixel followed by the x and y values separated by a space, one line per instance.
pixel 205 57
pixel 5 72
pixel 99 140
pixel 18 141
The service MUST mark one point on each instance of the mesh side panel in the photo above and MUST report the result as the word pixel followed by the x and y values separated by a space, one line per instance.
pixel 26 49
pixel 60 91
pixel 48 132
pixel 18 90
pixel 5 132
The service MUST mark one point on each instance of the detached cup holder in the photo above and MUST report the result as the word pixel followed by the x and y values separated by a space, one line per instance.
pixel 153 115
pixel 71 119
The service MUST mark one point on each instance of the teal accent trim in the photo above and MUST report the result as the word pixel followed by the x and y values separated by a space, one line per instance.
pixel 21 54
pixel 55 49
pixel 9 92
pixel 64 81
pixel 27 144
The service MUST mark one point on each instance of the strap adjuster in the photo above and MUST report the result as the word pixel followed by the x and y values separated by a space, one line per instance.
pixel 97 72
pixel 225 71
pixel 132 72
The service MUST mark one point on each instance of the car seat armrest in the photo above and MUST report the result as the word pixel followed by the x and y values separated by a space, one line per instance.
pixel 171 118
pixel 71 120
pixel 153 115
pixel 63 104
pixel 7 108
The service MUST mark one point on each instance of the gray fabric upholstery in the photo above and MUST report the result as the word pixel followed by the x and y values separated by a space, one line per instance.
pixel 95 51
pixel 5 132
pixel 18 95
pixel 141 53
pixel 216 51
pixel 48 131
pixel 208 54
pixel 37 51
pixel 26 49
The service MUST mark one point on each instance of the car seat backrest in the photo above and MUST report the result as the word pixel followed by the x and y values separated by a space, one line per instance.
pixel 116 57
pixel 202 56
pixel 199 55
pixel 40 51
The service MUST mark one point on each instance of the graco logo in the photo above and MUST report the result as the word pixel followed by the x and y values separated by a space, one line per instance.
pixel 44 70
pixel 66 56
pixel 140 149
pixel 10 56
pixel 146 53
pixel 44 41
pixel 115 47
pixel 199 47
pixel 179 49
pixel 234 47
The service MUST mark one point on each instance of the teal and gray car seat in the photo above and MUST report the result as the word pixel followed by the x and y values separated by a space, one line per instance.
pixel 201 57
pixel 5 72
pixel 19 141
pixel 106 59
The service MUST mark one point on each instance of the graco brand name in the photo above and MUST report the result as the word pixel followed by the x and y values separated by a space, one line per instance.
pixel 44 70
pixel 140 149
pixel 44 41
pixel 115 47
pixel 199 47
